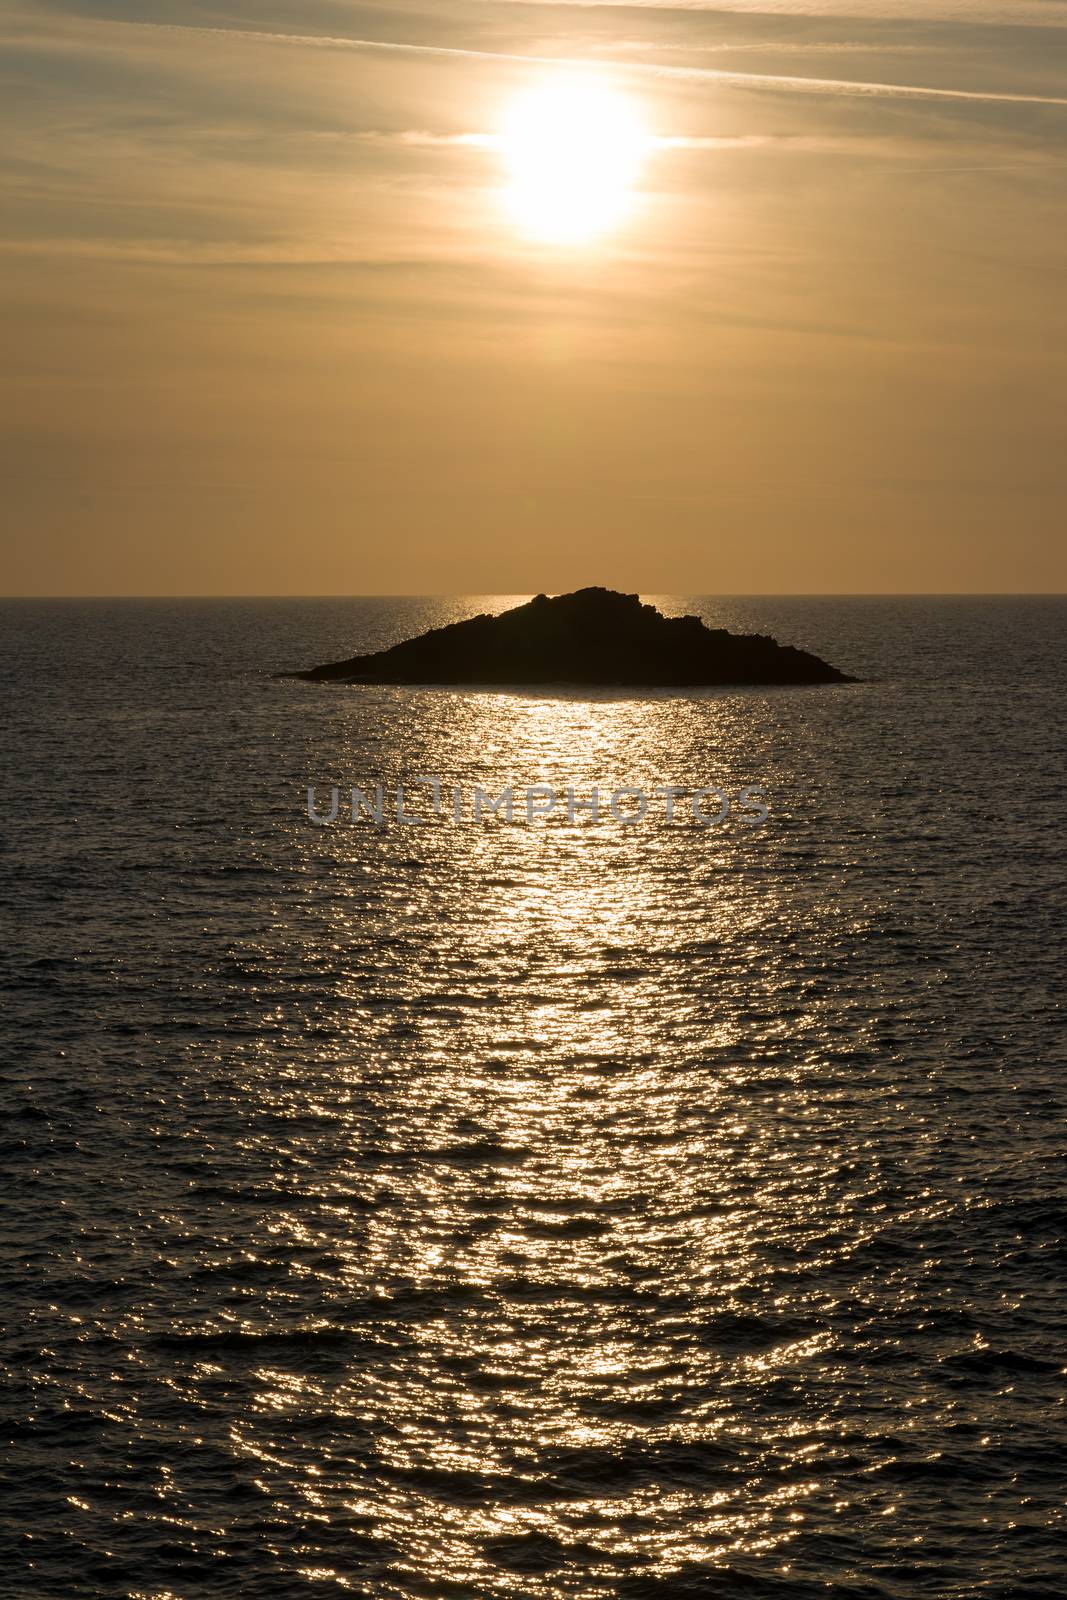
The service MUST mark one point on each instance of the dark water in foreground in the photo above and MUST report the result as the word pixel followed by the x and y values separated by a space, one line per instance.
pixel 532 1211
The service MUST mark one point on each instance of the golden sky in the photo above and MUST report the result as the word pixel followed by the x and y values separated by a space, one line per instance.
pixel 307 296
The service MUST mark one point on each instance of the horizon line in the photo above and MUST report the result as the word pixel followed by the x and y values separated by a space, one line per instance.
pixel 460 594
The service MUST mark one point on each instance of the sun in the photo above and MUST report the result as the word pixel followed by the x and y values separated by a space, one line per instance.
pixel 573 148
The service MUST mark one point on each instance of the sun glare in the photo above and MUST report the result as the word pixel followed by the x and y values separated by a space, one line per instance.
pixel 573 149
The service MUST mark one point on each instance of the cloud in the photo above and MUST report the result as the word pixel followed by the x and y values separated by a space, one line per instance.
pixel 996 13
pixel 782 82
pixel 419 138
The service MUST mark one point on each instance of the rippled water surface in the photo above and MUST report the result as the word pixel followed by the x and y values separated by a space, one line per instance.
pixel 532 1211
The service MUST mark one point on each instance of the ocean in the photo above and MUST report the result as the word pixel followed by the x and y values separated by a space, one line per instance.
pixel 532 1209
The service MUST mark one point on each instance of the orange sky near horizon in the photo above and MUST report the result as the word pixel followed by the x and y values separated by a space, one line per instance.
pixel 280 317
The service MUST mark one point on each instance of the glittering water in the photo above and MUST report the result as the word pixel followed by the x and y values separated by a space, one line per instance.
pixel 532 1211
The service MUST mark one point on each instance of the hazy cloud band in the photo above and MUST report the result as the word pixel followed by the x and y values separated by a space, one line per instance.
pixel 740 80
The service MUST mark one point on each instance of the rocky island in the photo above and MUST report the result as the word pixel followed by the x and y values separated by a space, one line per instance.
pixel 593 636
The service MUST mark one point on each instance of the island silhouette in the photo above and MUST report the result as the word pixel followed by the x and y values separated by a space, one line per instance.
pixel 592 636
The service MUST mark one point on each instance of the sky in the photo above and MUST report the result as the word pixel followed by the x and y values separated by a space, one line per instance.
pixel 277 316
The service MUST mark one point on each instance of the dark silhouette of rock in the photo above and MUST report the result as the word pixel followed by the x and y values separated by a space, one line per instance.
pixel 594 636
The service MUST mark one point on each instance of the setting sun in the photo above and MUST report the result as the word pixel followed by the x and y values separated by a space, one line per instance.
pixel 573 149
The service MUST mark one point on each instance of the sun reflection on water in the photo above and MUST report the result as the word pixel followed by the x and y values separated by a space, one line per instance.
pixel 549 1241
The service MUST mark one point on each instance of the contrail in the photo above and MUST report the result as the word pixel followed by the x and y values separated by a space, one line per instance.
pixel 733 80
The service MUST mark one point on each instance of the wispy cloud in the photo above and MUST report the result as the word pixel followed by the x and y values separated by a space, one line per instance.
pixel 1005 13
pixel 781 82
